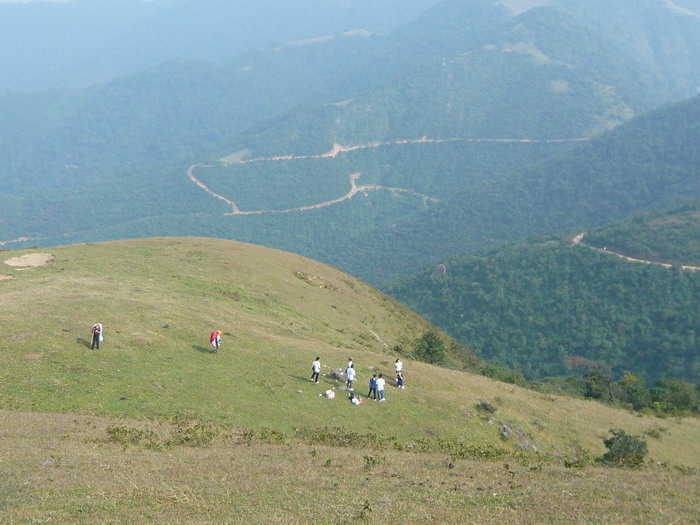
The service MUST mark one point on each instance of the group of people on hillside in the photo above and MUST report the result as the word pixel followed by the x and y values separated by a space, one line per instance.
pixel 377 382
pixel 214 338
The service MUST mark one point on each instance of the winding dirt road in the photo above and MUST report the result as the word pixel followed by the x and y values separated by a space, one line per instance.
pixel 336 150
pixel 579 240
pixel 354 190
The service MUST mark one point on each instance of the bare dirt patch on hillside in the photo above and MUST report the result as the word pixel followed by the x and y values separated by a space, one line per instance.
pixel 31 260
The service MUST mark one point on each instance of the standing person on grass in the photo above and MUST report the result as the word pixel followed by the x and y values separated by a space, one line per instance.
pixel 350 374
pixel 315 369
pixel 372 387
pixel 380 387
pixel 398 366
pixel 96 336
pixel 215 339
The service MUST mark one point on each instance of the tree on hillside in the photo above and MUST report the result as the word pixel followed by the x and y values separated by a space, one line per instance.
pixel 676 395
pixel 631 389
pixel 429 348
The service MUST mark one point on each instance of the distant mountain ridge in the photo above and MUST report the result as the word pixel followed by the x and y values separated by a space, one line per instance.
pixel 648 163
pixel 461 71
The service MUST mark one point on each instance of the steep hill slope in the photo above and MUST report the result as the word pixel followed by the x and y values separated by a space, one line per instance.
pixel 534 306
pixel 154 427
pixel 159 299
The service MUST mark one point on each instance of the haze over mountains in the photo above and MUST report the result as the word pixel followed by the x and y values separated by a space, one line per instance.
pixel 75 44
pixel 547 74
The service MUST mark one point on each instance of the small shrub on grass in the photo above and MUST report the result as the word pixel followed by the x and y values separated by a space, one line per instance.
pixel 192 434
pixel 486 407
pixel 655 432
pixel 429 348
pixel 371 461
pixel 458 449
pixel 624 450
pixel 341 437
pixel 126 436
pixel 497 370
pixel 578 457
pixel 275 437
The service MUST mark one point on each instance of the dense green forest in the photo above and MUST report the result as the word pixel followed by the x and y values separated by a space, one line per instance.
pixel 669 237
pixel 536 307
pixel 649 163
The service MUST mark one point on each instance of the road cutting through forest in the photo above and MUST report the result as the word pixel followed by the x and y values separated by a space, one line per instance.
pixel 578 240
pixel 336 150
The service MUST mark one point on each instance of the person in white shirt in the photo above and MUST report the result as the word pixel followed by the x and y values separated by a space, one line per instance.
pixel 350 374
pixel 398 366
pixel 96 335
pixel 380 387
pixel 315 369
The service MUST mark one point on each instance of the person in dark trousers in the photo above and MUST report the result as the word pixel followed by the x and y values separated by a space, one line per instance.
pixel 315 369
pixel 96 336
pixel 398 366
pixel 380 387
pixel 350 374
pixel 372 387
pixel 399 379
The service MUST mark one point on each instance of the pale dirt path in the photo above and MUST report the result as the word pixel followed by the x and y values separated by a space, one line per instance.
pixel 190 174
pixel 354 189
pixel 21 239
pixel 337 148
pixel 579 240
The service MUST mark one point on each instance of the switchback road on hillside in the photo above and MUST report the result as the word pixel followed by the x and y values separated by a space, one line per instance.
pixel 578 240
pixel 354 188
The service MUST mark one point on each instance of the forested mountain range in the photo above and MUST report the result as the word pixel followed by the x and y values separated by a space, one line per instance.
pixel 649 163
pixel 447 124
pixel 541 305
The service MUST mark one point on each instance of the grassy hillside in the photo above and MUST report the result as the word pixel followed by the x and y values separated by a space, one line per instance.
pixel 63 469
pixel 243 431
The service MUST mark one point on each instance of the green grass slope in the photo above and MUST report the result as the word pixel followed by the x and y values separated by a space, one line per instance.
pixel 279 452
pixel 159 300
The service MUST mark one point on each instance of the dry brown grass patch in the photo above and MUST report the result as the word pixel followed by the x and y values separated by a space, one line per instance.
pixel 31 260
pixel 63 469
